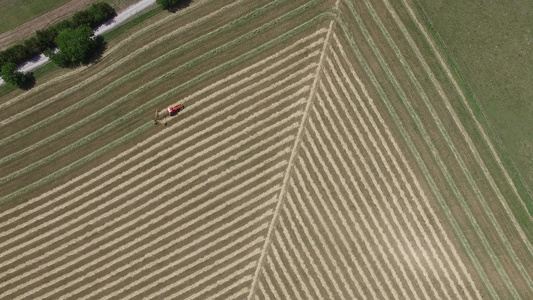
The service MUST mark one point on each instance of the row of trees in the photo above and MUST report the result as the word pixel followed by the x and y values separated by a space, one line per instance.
pixel 73 39
pixel 94 16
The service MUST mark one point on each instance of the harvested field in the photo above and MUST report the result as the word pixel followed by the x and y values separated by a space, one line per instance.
pixel 325 152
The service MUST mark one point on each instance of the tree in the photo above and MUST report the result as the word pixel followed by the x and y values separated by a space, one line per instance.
pixel 173 4
pixel 101 12
pixel 76 46
pixel 10 75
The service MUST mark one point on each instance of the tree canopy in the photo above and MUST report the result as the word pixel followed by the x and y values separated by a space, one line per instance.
pixel 9 74
pixel 75 46
pixel 173 4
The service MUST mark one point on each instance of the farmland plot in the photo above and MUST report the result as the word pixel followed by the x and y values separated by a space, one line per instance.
pixel 325 152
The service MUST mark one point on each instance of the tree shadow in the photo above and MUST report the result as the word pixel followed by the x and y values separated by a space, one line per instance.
pixel 180 5
pixel 29 81
pixel 98 51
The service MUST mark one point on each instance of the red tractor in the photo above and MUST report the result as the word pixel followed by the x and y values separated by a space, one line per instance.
pixel 161 115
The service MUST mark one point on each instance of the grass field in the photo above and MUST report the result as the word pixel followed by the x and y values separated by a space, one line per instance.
pixel 16 12
pixel 326 151
pixel 491 45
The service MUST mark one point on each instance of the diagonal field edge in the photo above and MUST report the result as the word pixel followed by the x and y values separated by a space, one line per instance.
pixel 289 166
pixel 137 208
pixel 131 191
pixel 227 109
pixel 204 99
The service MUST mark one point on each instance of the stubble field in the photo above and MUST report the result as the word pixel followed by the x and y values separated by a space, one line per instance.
pixel 325 151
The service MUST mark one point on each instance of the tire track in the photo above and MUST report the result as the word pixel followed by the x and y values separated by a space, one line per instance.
pixel 170 257
pixel 293 154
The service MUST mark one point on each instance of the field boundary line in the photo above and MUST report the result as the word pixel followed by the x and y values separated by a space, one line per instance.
pixel 289 166
pixel 420 162
pixel 213 243
pixel 272 190
pixel 212 234
pixel 189 138
pixel 138 239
